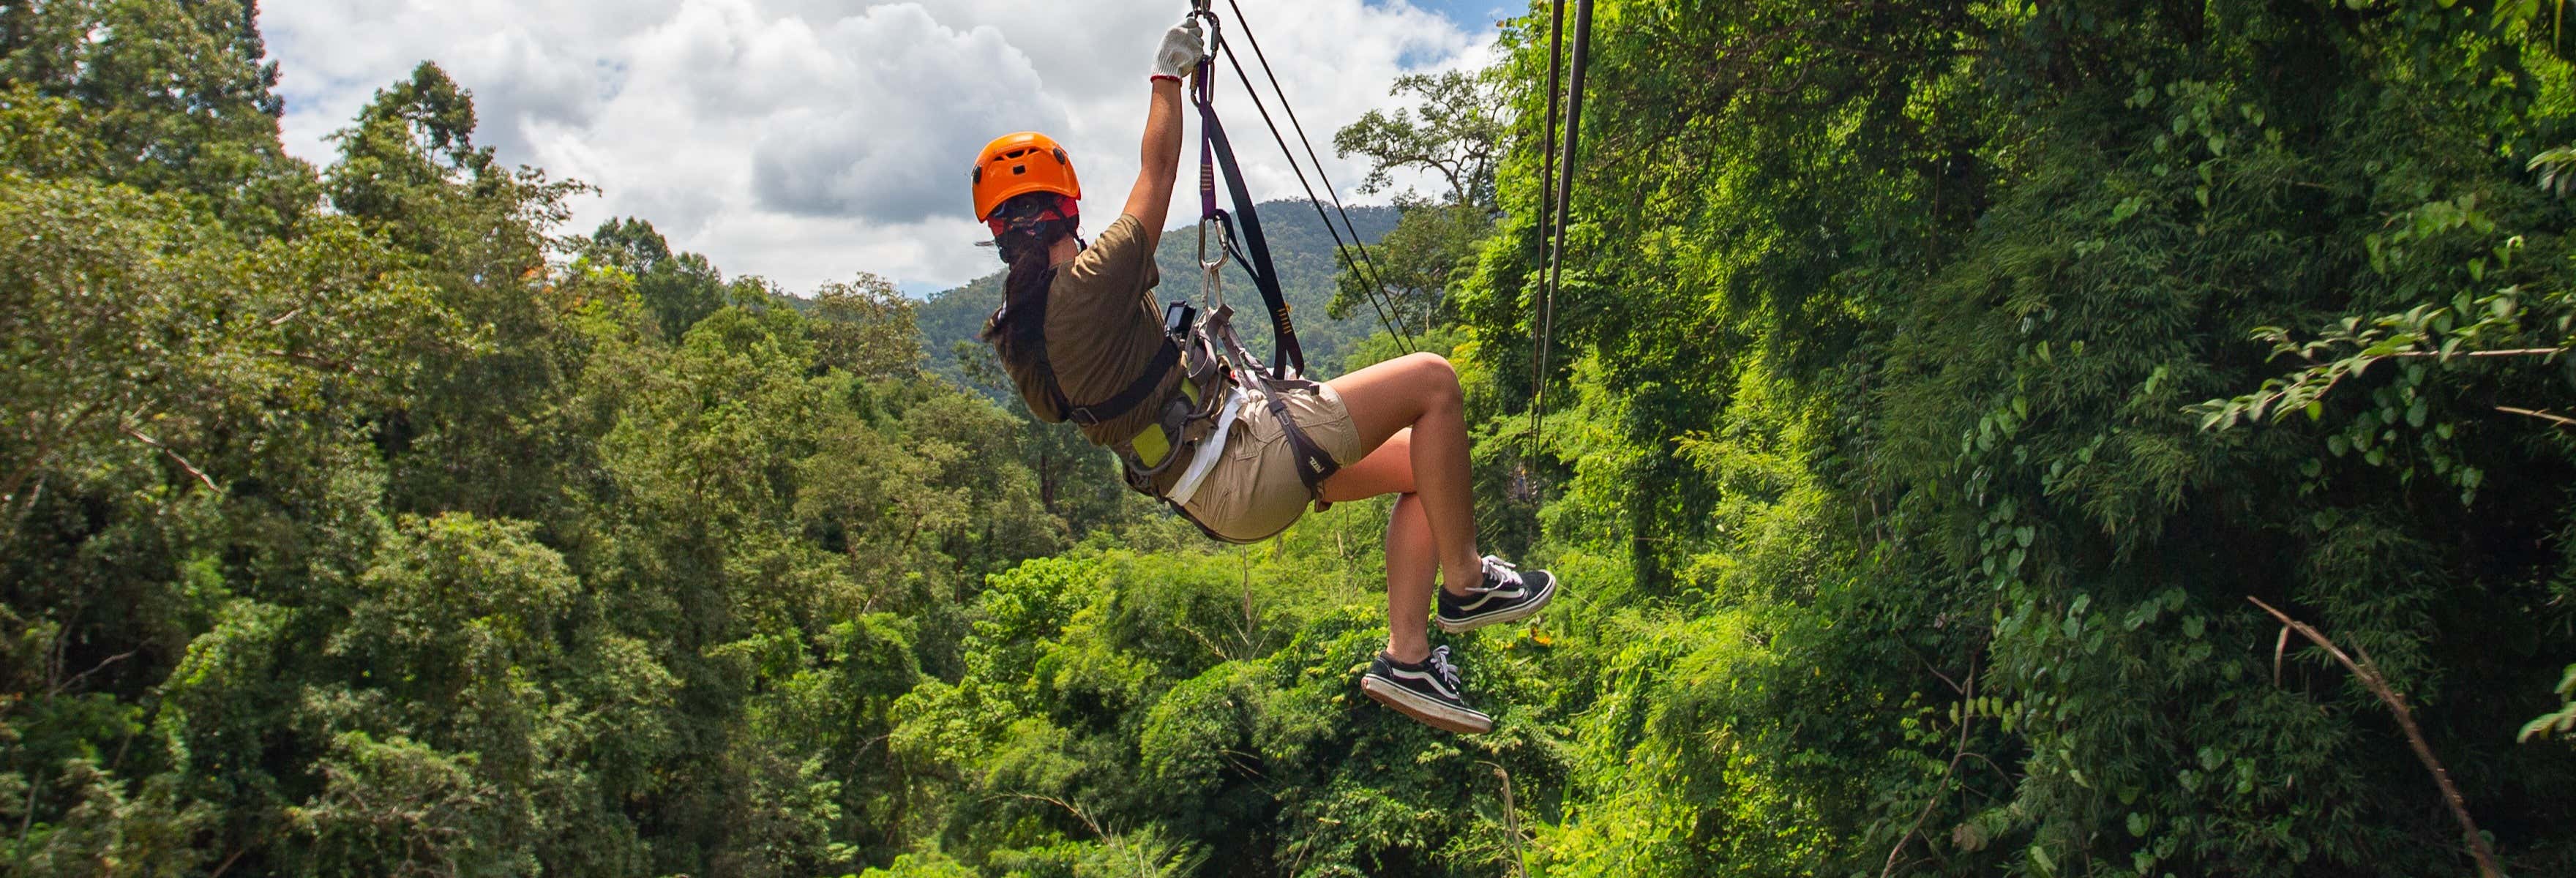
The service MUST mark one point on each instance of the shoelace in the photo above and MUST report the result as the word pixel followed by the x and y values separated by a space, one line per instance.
pixel 1448 672
pixel 1509 574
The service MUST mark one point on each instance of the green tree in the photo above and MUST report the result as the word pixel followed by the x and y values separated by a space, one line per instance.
pixel 866 327
pixel 1414 267
pixel 678 288
pixel 1455 130
pixel 179 97
pixel 1915 302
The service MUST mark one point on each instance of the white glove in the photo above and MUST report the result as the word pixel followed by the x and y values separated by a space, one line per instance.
pixel 1183 47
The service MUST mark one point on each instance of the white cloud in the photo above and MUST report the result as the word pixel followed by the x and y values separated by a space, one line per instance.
pixel 806 140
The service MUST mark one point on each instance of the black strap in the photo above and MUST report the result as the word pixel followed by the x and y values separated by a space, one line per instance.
pixel 1314 465
pixel 1031 339
pixel 1285 351
pixel 1127 400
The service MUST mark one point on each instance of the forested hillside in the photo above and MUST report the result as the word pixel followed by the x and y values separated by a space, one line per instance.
pixel 1300 246
pixel 1947 397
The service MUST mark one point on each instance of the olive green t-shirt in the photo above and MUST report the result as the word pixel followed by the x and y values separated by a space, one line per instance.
pixel 1102 329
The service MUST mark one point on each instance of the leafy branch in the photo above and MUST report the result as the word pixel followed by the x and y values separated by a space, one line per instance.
pixel 2557 170
pixel 2488 327
pixel 2560 722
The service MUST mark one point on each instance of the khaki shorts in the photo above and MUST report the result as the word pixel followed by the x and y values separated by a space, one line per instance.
pixel 1253 492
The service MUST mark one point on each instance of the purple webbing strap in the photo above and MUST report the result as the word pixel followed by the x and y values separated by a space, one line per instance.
pixel 1204 94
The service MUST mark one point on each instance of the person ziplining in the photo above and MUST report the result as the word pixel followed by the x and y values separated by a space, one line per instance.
pixel 1238 448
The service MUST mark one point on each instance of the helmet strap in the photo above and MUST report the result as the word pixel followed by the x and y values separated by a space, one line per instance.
pixel 1026 221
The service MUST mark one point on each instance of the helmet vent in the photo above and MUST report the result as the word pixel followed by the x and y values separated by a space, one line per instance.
pixel 1011 165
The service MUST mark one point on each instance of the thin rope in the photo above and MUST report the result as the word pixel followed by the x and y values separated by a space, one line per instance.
pixel 1376 277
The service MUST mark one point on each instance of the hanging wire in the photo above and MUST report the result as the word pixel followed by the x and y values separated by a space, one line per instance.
pixel 1377 290
pixel 1546 215
pixel 1547 154
pixel 1372 278
pixel 1564 203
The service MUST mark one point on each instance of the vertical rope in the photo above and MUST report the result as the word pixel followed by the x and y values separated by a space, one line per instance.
pixel 1547 163
pixel 1547 204
pixel 1564 203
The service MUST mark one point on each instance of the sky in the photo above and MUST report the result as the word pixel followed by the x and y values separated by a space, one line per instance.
pixel 807 141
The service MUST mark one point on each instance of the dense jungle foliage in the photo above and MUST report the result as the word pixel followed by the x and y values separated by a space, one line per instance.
pixel 1937 384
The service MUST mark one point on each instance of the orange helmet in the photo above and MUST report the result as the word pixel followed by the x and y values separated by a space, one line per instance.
pixel 1018 164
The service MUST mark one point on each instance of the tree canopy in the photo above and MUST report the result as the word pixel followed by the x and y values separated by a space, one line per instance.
pixel 2104 438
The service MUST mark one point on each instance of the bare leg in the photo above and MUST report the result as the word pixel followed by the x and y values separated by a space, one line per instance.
pixel 1416 395
pixel 1412 562
pixel 1411 565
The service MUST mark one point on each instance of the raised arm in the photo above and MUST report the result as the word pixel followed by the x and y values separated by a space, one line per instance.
pixel 1160 160
pixel 1151 201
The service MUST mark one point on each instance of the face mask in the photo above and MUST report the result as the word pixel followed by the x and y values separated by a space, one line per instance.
pixel 1021 221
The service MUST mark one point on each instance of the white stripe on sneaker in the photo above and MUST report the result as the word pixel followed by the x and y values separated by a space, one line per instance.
pixel 1467 621
pixel 1424 676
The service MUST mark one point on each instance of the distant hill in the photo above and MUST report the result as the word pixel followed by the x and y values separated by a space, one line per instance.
pixel 1298 245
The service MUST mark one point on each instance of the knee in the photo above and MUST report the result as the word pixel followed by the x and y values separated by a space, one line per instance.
pixel 1435 379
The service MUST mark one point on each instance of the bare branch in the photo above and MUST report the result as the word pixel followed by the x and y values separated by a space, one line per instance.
pixel 2279 646
pixel 1511 821
pixel 164 449
pixel 58 688
pixel 2510 352
pixel 2542 414
pixel 1969 695
pixel 2368 673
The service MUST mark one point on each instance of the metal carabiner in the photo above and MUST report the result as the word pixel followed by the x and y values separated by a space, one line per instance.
pixel 1199 10
pixel 1221 248
pixel 1212 289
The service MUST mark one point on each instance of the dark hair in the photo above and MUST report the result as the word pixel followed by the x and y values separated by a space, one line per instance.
pixel 1026 241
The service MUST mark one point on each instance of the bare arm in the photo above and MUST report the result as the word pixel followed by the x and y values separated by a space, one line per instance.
pixel 1151 201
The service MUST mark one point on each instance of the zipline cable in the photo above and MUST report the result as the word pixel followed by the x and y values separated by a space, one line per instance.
pixel 1564 202
pixel 1547 154
pixel 1547 196
pixel 1373 289
pixel 1377 289
pixel 1375 277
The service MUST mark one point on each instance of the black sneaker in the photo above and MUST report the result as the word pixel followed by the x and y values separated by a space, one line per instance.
pixel 1505 595
pixel 1427 692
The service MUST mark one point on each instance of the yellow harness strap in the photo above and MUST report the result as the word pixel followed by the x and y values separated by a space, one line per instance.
pixel 1152 445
